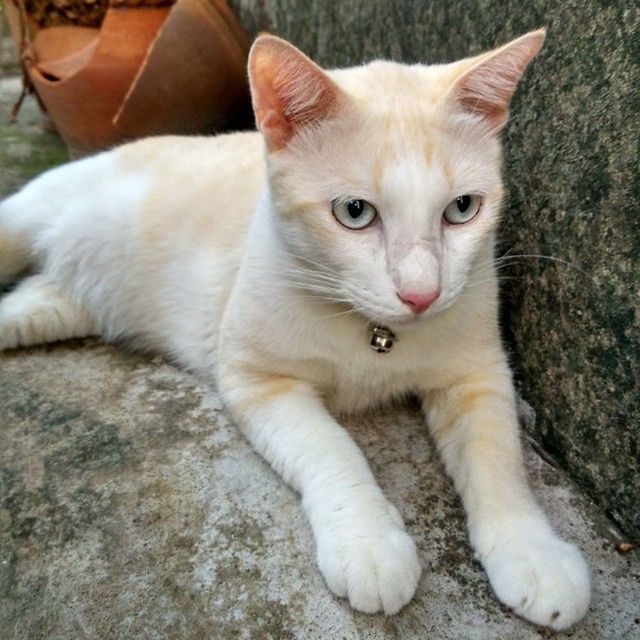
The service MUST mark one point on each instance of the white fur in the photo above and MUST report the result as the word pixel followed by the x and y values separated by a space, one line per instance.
pixel 168 243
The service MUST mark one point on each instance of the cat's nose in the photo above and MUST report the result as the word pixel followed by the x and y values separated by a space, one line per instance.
pixel 419 302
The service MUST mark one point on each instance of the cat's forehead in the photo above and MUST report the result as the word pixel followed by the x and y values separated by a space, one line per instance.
pixel 402 108
pixel 398 138
pixel 395 87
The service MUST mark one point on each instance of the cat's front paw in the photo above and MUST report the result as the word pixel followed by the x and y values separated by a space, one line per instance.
pixel 541 577
pixel 378 570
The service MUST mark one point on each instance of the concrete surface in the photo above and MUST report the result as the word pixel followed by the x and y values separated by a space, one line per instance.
pixel 572 187
pixel 132 508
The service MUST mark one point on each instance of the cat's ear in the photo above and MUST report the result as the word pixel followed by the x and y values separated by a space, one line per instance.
pixel 288 90
pixel 485 87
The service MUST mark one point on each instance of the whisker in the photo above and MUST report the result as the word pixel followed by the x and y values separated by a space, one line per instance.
pixel 322 267
pixel 339 313
pixel 326 299
pixel 311 277
pixel 537 256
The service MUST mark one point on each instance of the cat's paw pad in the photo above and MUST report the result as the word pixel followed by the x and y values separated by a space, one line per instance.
pixel 543 580
pixel 377 572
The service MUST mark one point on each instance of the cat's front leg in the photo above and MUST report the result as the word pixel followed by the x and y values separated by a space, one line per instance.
pixel 531 569
pixel 363 550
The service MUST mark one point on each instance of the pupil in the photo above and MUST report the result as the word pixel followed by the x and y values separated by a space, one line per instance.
pixel 354 207
pixel 463 203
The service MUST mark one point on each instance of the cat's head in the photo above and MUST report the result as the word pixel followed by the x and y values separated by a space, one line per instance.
pixel 386 178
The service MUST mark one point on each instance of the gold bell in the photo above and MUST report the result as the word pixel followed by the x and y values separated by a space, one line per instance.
pixel 382 339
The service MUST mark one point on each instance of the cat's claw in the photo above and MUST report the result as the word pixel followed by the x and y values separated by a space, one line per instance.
pixel 377 572
pixel 542 578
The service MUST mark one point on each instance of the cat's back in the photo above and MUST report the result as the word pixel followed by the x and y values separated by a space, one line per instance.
pixel 200 188
pixel 195 162
pixel 165 188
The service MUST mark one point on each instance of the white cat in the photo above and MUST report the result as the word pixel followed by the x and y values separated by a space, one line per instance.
pixel 265 262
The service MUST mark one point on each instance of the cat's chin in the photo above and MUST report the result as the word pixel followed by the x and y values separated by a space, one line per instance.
pixel 404 319
pixel 400 322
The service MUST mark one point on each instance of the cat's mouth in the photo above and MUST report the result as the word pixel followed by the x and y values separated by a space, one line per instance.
pixel 397 319
pixel 394 310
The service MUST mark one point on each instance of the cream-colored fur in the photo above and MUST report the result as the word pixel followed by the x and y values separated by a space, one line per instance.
pixel 236 268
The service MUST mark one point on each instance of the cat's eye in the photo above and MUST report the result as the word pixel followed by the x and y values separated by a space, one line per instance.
pixel 462 209
pixel 353 213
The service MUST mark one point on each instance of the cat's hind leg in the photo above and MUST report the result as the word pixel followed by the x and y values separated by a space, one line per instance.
pixel 38 311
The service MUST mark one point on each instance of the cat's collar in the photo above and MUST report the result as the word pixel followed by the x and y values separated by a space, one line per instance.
pixel 381 338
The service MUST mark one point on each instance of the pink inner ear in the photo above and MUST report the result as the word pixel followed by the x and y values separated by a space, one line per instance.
pixel 289 90
pixel 486 89
pixel 488 95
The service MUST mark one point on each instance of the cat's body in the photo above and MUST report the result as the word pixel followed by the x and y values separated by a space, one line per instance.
pixel 198 248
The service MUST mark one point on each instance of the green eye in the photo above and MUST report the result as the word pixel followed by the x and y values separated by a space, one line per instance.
pixel 353 214
pixel 462 209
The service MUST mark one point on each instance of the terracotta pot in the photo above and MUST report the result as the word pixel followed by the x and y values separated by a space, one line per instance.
pixel 148 70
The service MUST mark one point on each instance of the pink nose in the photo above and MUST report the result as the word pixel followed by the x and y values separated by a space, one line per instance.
pixel 418 302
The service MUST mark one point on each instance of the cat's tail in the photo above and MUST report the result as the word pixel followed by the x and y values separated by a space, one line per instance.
pixel 22 216
pixel 15 254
